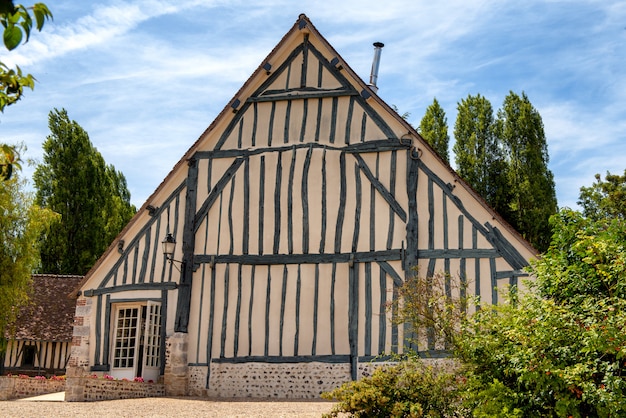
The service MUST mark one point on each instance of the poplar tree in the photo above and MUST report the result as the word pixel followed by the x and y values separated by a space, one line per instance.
pixel 434 129
pixel 531 183
pixel 91 197
pixel 479 157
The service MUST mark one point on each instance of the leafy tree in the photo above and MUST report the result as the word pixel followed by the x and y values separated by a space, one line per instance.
pixel 434 129
pixel 17 23
pixel 479 157
pixel 91 197
pixel 605 199
pixel 21 225
pixel 531 184
pixel 560 350
pixel 587 259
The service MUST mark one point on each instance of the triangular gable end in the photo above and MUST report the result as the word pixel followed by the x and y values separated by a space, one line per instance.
pixel 311 86
pixel 297 214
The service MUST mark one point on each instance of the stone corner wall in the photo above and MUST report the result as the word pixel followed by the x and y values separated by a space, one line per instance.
pixel 75 383
pixel 79 354
pixel 176 367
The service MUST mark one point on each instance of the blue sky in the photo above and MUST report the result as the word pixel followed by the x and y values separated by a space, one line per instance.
pixel 146 77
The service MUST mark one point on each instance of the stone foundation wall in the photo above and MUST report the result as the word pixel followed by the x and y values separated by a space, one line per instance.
pixel 268 380
pixel 279 380
pixel 102 389
pixel 17 388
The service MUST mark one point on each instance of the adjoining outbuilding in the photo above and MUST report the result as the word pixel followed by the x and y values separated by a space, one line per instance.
pixel 39 343
pixel 289 225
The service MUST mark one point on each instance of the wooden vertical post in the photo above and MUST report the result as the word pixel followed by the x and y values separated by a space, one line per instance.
pixel 184 287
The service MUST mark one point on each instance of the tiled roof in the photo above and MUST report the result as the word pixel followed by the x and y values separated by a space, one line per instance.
pixel 49 314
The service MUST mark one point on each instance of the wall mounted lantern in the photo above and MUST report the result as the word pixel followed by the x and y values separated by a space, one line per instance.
pixel 169 245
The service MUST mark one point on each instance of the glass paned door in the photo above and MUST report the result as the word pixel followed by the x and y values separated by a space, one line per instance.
pixel 125 344
pixel 137 342
pixel 152 342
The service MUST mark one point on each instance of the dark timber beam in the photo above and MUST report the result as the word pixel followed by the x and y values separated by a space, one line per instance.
pixel 327 258
pixel 379 145
pixel 184 290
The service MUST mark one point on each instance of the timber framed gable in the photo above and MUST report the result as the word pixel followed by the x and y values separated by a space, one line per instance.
pixel 300 211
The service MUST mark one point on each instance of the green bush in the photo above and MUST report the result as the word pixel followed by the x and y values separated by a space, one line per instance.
pixel 406 389
pixel 560 350
pixel 540 358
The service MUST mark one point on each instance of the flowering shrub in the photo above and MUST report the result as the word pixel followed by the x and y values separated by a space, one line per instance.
pixel 137 379
pixel 40 377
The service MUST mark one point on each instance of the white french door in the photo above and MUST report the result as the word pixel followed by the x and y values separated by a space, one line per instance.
pixel 137 342
pixel 152 342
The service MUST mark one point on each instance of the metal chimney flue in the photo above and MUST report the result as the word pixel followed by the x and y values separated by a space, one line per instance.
pixel 378 47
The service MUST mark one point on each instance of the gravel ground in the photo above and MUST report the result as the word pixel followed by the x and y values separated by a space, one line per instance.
pixel 165 407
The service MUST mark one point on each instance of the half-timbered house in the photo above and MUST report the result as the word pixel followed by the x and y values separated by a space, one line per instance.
pixel 40 340
pixel 294 218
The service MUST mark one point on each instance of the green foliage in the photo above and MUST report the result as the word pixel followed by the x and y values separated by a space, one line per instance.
pixel 560 350
pixel 16 20
pixel 17 23
pixel 434 129
pixel 479 157
pixel 9 160
pixel 21 225
pixel 407 389
pixel 91 196
pixel 586 260
pixel 532 196
pixel 605 199
pixel 542 358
